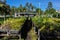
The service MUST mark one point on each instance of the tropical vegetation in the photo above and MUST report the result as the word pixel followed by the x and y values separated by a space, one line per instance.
pixel 45 21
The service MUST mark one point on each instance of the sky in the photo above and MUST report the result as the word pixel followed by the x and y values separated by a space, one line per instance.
pixel 38 3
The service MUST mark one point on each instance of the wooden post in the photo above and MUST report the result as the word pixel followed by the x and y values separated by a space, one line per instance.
pixel 38 34
pixel 19 37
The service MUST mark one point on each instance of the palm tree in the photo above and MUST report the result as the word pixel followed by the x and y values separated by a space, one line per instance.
pixel 39 11
pixel 5 9
pixel 18 9
pixel 13 9
pixel 21 8
pixel 24 9
pixel 31 7
pixel 27 7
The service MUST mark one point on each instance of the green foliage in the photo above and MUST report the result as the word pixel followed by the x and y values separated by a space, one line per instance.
pixel 49 5
pixel 1 20
pixel 37 20
pixel 15 23
pixel 46 23
pixel 39 11
pixel 50 9
pixel 5 9
pixel 13 9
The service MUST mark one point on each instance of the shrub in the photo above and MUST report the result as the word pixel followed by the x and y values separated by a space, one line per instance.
pixel 15 23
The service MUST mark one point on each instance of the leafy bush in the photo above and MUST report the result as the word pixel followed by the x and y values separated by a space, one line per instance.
pixel 15 23
pixel 46 23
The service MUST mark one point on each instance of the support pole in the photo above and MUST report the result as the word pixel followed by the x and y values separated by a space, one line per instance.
pixel 19 37
pixel 38 34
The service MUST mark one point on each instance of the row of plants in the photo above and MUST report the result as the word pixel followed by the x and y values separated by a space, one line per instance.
pixel 43 23
pixel 2 19
pixel 38 21
pixel 46 25
pixel 15 23
pixel 46 22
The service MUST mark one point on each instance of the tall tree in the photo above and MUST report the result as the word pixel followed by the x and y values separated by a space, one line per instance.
pixel 27 7
pixel 18 10
pixel 24 9
pixel 5 9
pixel 50 6
pixel 39 11
pixel 31 7
pixel 13 9
pixel 21 8
pixel 50 9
